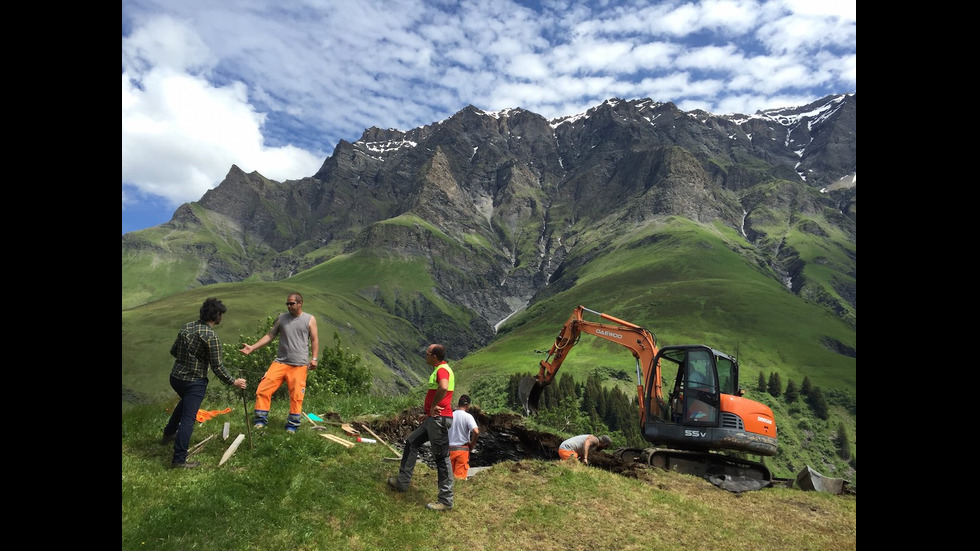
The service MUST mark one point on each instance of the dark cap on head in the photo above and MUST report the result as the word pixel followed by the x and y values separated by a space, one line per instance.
pixel 606 441
pixel 464 400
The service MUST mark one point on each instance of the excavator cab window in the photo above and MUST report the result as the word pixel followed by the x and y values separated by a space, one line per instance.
pixel 701 398
pixel 727 375
pixel 699 372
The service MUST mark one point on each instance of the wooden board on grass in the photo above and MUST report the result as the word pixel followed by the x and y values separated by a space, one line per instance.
pixel 338 440
pixel 349 430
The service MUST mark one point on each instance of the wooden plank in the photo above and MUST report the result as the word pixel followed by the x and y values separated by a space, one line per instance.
pixel 225 431
pixel 338 440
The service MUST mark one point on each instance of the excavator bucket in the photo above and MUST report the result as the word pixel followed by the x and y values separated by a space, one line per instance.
pixel 528 392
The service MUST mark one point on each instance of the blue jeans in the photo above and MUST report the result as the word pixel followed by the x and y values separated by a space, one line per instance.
pixel 185 414
pixel 434 430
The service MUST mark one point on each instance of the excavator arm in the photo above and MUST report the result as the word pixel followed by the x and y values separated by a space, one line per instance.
pixel 641 343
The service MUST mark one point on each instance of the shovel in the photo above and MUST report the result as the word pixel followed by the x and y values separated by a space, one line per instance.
pixel 248 423
pixel 312 422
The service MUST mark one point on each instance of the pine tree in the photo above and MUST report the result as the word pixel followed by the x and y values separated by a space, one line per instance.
pixel 601 407
pixel 843 445
pixel 592 400
pixel 761 386
pixel 806 387
pixel 775 387
pixel 818 403
pixel 549 396
pixel 566 387
pixel 792 393
pixel 625 416
pixel 608 416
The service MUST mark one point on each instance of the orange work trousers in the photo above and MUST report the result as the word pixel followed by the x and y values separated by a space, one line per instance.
pixel 295 377
pixel 567 454
pixel 460 460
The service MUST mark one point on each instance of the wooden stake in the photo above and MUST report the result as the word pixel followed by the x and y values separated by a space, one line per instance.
pixel 199 446
pixel 232 449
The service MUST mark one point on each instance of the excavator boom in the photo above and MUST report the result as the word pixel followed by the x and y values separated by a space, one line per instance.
pixel 640 341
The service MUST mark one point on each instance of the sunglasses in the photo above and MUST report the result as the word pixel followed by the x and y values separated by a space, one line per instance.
pixel 290 303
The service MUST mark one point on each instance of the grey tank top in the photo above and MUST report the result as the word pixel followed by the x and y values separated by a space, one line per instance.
pixel 294 339
pixel 575 443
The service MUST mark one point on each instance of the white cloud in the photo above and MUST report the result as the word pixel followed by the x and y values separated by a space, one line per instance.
pixel 180 133
pixel 528 66
pixel 711 58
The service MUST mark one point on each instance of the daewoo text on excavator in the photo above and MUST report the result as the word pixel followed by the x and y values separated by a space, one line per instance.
pixel 703 417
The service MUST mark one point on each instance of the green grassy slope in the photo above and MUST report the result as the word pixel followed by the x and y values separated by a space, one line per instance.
pixel 685 288
pixel 302 491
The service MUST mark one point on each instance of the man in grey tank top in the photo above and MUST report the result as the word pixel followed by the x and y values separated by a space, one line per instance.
pixel 297 334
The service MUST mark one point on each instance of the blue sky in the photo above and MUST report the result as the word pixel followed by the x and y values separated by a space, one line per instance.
pixel 272 86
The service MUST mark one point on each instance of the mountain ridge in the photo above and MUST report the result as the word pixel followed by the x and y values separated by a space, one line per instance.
pixel 496 211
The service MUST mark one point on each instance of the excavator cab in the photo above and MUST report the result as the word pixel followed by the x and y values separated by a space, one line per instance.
pixel 696 396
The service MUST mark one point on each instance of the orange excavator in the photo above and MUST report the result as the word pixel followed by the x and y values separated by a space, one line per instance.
pixel 698 425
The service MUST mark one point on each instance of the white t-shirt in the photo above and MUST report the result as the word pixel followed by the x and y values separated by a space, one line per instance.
pixel 463 423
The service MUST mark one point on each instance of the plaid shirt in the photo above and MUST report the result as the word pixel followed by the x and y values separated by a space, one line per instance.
pixel 196 347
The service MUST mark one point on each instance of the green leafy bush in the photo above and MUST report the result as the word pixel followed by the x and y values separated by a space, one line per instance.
pixel 339 371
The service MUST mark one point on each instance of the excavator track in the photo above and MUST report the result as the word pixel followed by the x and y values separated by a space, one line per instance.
pixel 703 464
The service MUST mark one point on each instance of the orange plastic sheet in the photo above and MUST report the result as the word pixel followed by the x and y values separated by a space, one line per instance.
pixel 204 415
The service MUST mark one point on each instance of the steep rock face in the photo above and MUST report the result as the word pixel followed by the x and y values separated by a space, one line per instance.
pixel 513 192
pixel 826 136
pixel 279 214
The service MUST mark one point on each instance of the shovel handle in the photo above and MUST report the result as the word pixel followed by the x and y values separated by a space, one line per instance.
pixel 248 424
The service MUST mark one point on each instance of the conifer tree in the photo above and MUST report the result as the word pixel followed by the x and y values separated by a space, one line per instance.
pixel 761 386
pixel 818 403
pixel 792 393
pixel 843 444
pixel 625 418
pixel 806 387
pixel 592 400
pixel 775 387
pixel 566 387
pixel 549 396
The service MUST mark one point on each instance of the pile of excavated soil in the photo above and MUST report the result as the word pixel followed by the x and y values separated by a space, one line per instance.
pixel 503 437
